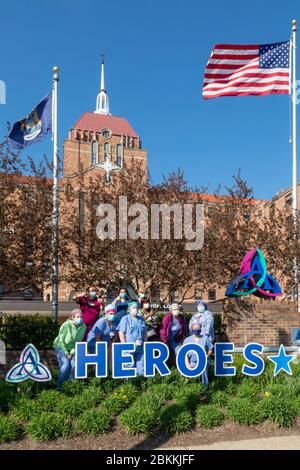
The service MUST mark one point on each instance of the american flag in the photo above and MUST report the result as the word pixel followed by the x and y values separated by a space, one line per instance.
pixel 238 70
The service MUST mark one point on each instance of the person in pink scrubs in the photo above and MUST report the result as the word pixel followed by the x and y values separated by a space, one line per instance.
pixel 90 304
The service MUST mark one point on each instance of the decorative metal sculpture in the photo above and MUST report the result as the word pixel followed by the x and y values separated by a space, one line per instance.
pixel 253 278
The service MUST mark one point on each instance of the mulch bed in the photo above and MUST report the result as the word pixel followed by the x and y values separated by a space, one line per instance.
pixel 119 440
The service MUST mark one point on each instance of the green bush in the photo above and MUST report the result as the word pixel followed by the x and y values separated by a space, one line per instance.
pixel 280 410
pixel 29 388
pixel 72 387
pixel 175 419
pixel 139 418
pixel 189 395
pixel 9 430
pixel 48 400
pixel 296 404
pixel 219 398
pixel 19 330
pixel 128 392
pixel 92 396
pixel 7 396
pixel 244 411
pixel 94 422
pixel 71 407
pixel 24 409
pixel 150 399
pixel 47 426
pixel 114 405
pixel 248 389
pixel 208 416
pixel 163 391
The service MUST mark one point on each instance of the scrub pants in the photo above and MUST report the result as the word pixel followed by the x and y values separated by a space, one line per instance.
pixel 138 359
pixel 204 375
pixel 66 367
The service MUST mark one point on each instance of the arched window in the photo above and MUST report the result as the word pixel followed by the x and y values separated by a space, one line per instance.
pixel 119 155
pixel 94 152
pixel 106 151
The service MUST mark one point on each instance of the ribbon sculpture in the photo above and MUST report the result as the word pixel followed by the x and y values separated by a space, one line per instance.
pixel 254 278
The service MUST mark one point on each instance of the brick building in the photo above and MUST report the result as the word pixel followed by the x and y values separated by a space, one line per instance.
pixel 100 143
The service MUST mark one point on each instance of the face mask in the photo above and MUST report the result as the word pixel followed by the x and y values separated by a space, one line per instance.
pixel 133 312
pixel 110 317
pixel 175 313
pixel 146 306
pixel 201 308
pixel 196 332
pixel 78 321
pixel 123 295
pixel 141 296
pixel 93 294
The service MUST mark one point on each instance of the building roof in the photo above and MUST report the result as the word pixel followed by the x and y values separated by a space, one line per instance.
pixel 96 122
pixel 219 199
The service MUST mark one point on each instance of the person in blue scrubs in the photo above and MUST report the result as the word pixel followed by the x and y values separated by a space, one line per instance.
pixel 191 358
pixel 133 329
pixel 205 318
pixel 121 304
pixel 104 330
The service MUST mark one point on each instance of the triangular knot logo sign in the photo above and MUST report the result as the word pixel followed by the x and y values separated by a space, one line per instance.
pixel 29 367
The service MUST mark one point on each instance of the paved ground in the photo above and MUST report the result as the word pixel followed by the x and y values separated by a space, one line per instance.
pixel 269 443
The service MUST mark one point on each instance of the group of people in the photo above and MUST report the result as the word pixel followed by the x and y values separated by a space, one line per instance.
pixel 127 320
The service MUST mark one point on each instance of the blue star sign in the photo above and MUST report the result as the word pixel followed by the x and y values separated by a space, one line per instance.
pixel 282 361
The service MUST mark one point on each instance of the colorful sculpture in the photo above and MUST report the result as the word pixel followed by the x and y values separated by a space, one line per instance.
pixel 254 278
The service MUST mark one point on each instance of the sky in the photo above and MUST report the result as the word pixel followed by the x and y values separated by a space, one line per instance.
pixel 156 52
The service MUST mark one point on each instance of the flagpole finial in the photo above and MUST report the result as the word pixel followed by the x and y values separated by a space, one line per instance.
pixel 294 25
pixel 55 72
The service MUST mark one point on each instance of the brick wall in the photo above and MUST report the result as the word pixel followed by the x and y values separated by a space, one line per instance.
pixel 268 323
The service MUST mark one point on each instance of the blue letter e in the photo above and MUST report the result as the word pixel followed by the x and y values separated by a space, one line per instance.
pixel 220 354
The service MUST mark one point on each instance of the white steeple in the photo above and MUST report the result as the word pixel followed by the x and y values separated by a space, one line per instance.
pixel 102 103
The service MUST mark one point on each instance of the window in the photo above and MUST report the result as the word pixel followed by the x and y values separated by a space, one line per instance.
pixel 94 152
pixel 212 294
pixel 198 294
pixel 288 200
pixel 272 210
pixel 106 151
pixel 246 216
pixel 119 155
pixel 155 297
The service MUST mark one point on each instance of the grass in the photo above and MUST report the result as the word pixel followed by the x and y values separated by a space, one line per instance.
pixel 175 418
pixel 244 411
pixel 47 426
pixel 209 416
pixel 280 410
pixel 9 429
pixel 94 422
pixel 172 404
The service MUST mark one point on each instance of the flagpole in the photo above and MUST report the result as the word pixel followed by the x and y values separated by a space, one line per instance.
pixel 294 143
pixel 55 199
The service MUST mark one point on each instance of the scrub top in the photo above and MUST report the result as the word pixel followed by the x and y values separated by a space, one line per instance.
pixel 134 329
pixel 175 328
pixel 207 322
pixel 202 341
pixel 102 327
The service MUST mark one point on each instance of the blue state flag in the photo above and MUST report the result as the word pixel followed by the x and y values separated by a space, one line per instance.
pixel 33 127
